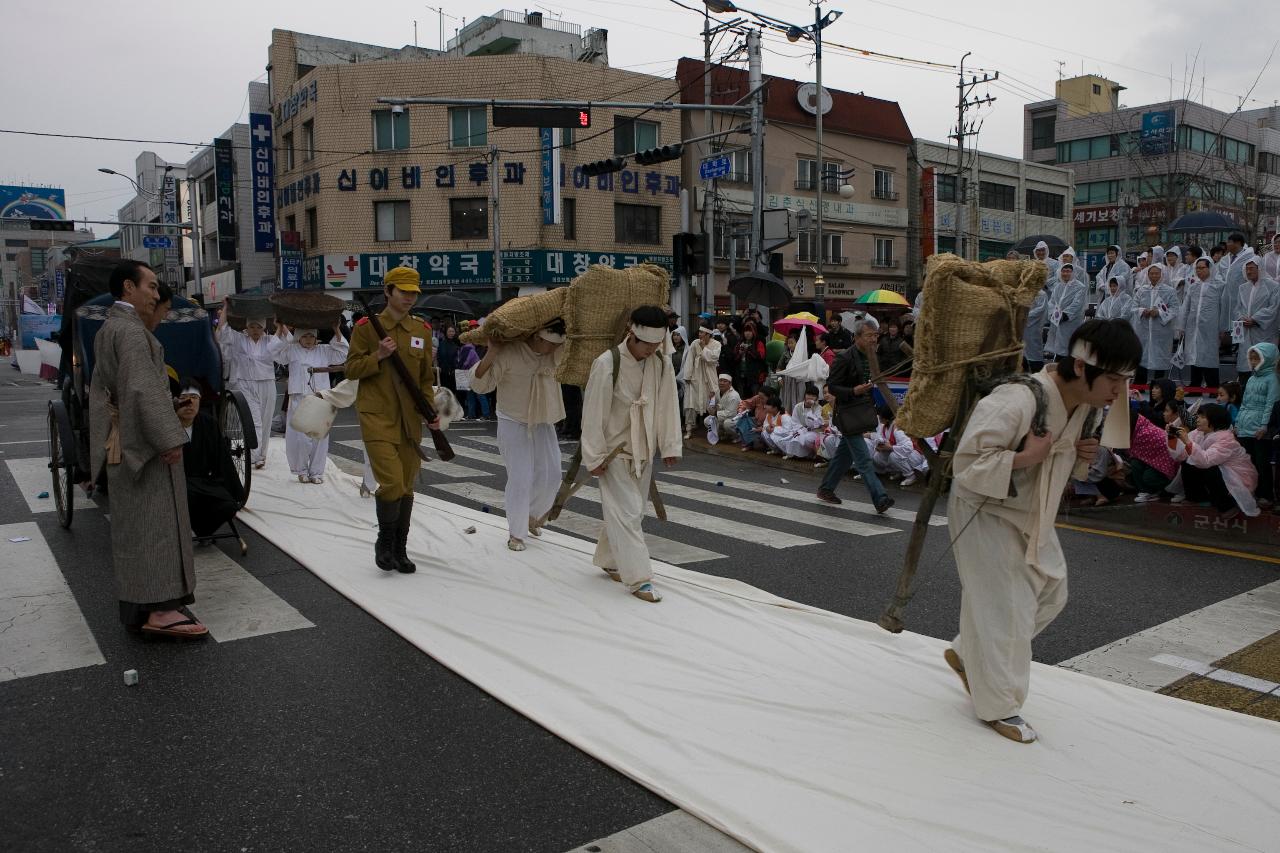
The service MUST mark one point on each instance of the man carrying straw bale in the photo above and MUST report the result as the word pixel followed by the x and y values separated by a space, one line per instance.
pixel 1009 475
pixel 630 414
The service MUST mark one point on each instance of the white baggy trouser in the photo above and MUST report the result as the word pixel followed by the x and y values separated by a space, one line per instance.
pixel 621 545
pixel 260 394
pixel 1004 603
pixel 307 456
pixel 532 458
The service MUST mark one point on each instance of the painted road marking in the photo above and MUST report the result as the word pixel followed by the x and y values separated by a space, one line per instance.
pixel 435 466
pixel 233 604
pixel 41 627
pixel 666 550
pixel 33 477
pixel 1204 549
pixel 1226 676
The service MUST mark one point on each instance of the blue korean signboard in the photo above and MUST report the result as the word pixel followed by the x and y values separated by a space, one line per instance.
pixel 264 170
pixel 471 269
pixel 32 203
pixel 290 269
pixel 715 167
pixel 59 284
pixel 550 194
pixel 1157 132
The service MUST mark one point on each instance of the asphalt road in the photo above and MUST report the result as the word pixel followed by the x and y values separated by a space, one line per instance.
pixel 342 736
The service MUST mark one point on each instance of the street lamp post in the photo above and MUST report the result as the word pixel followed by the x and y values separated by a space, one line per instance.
pixel 194 218
pixel 794 33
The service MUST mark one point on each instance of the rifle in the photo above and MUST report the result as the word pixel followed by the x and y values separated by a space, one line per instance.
pixel 420 402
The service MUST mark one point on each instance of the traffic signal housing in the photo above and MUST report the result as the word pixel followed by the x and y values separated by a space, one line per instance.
pixel 689 254
pixel 51 224
pixel 604 167
pixel 661 154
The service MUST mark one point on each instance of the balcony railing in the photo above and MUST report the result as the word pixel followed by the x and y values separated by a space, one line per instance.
pixel 829 184
pixel 737 178
pixel 829 260
pixel 887 195
pixel 885 263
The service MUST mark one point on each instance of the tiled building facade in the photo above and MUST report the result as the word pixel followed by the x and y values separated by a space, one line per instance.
pixel 367 188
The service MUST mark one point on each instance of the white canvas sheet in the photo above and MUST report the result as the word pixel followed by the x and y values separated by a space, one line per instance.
pixel 785 726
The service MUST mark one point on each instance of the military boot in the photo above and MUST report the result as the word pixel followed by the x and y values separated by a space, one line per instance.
pixel 403 563
pixel 384 553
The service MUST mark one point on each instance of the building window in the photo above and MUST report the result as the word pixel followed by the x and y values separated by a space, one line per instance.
pixel 391 221
pixel 807 175
pixel 1097 192
pixel 740 170
pixel 946 185
pixel 208 190
pixel 390 130
pixel 569 216
pixel 313 228
pixel 18 244
pixel 832 247
pixel 884 253
pixel 1042 131
pixel 1097 90
pixel 1040 203
pixel 468 127
pixel 995 196
pixel 636 223
pixel 308 140
pixel 468 218
pixel 884 185
pixel 631 135
pixel 287 151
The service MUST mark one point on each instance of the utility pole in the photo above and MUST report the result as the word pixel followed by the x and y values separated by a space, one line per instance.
pixel 197 239
pixel 708 279
pixel 755 86
pixel 963 104
pixel 495 223
pixel 819 284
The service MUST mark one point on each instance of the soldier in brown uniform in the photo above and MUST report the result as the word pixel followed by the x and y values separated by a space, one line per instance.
pixel 389 422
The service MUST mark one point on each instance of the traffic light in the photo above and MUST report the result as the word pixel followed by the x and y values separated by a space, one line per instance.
pixel 604 167
pixel 689 254
pixel 51 224
pixel 661 154
pixel 566 116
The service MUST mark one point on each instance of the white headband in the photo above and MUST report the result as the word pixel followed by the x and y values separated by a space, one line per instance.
pixel 302 333
pixel 649 334
pixel 702 329
pixel 550 336
pixel 724 377
pixel 193 390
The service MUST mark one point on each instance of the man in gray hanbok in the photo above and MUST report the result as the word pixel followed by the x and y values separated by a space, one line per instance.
pixel 1257 310
pixel 1155 307
pixel 137 437
pixel 1201 322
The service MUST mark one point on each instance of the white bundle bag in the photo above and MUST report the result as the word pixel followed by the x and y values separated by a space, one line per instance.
pixel 314 417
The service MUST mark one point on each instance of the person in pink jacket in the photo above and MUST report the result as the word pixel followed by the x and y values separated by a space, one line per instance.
pixel 1215 468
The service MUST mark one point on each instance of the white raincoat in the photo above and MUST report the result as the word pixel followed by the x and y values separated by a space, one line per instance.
pixel 1176 275
pixel 1117 307
pixel 1203 317
pixel 1271 260
pixel 1119 270
pixel 1078 271
pixel 1235 273
pixel 1157 331
pixel 1033 333
pixel 1049 262
pixel 1259 301
pixel 1065 313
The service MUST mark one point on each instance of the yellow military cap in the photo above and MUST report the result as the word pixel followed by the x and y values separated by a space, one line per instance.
pixel 404 278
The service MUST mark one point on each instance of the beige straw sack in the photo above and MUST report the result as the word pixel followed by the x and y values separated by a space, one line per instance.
pixel 973 317
pixel 598 310
pixel 519 318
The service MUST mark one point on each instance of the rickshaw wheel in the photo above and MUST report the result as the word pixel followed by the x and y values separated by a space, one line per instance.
pixel 60 466
pixel 239 436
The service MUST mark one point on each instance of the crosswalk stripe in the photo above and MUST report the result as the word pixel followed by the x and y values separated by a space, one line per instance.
pixel 795 494
pixel 33 477
pixel 666 550
pixel 233 604
pixel 782 513
pixel 435 466
pixel 41 627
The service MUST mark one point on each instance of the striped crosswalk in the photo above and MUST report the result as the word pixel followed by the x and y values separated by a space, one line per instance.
pixel 777 516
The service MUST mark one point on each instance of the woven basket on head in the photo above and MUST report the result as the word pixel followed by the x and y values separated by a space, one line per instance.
pixel 973 316
pixel 519 318
pixel 598 311
pixel 240 307
pixel 305 309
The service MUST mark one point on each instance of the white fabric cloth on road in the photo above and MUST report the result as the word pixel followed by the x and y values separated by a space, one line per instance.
pixel 788 727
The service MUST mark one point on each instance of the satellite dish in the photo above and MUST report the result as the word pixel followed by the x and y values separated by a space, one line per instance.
pixel 807 95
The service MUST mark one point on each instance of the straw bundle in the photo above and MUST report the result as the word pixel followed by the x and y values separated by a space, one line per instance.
pixel 519 318
pixel 973 316
pixel 598 311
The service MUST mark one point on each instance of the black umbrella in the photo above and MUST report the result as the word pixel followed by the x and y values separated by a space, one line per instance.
pixel 1027 245
pixel 446 302
pixel 761 288
pixel 1202 220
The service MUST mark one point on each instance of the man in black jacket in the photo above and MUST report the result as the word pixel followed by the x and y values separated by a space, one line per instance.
pixel 849 390
pixel 838 337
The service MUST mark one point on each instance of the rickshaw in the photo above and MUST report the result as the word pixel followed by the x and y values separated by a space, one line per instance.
pixel 190 351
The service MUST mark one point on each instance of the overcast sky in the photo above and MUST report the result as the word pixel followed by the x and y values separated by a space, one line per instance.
pixel 156 70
